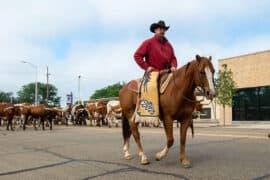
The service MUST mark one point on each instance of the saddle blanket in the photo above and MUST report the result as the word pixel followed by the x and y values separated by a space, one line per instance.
pixel 148 99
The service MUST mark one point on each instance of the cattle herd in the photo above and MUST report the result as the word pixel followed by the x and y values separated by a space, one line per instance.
pixel 93 114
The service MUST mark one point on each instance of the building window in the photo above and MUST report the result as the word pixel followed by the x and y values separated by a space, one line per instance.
pixel 252 104
pixel 205 113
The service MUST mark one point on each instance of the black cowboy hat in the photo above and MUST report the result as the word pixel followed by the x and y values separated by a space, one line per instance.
pixel 157 25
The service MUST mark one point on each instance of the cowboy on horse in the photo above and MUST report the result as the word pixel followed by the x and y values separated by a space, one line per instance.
pixel 177 102
pixel 154 55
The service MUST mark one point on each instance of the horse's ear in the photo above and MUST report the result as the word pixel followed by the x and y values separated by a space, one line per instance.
pixel 198 58
pixel 210 58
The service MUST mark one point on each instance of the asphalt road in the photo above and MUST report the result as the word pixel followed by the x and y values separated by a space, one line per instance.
pixel 96 153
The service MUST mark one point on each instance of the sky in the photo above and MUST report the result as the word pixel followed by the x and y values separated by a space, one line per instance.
pixel 97 38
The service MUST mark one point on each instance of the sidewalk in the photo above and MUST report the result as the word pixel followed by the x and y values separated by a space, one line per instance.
pixel 238 124
pixel 249 126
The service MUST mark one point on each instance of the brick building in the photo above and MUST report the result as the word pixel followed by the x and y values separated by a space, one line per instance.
pixel 251 72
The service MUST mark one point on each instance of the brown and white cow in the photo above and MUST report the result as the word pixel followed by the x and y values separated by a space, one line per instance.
pixel 114 113
pixel 59 116
pixel 97 112
pixel 91 108
pixel 101 111
pixel 7 112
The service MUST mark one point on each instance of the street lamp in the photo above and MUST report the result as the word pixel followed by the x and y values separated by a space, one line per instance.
pixel 36 89
pixel 79 88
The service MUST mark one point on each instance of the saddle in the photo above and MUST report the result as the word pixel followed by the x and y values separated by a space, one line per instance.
pixel 164 79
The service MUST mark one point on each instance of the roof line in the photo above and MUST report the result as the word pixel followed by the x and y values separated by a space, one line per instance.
pixel 254 53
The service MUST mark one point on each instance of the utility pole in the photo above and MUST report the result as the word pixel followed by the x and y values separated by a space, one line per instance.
pixel 47 77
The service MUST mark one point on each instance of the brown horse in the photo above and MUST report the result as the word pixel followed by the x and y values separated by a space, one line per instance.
pixel 176 103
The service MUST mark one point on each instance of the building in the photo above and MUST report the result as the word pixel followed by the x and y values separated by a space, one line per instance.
pixel 251 72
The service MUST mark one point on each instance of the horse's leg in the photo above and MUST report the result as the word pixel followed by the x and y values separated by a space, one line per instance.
pixel 168 126
pixel 126 132
pixel 183 132
pixel 136 135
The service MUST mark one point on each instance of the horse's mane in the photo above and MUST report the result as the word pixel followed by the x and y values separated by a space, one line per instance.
pixel 187 66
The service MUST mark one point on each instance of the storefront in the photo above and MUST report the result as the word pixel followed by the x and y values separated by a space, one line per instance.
pixel 251 73
pixel 251 104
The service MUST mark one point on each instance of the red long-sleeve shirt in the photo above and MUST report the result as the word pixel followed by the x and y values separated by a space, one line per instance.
pixel 156 54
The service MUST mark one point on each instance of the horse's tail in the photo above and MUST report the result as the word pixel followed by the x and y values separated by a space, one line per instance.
pixel 125 128
pixel 192 128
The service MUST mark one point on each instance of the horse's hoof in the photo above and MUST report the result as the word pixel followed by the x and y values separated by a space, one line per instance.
pixel 128 157
pixel 144 162
pixel 158 156
pixel 186 164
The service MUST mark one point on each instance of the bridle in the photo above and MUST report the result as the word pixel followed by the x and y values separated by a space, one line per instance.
pixel 202 90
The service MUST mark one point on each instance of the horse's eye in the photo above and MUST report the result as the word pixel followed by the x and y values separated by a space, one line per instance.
pixel 202 73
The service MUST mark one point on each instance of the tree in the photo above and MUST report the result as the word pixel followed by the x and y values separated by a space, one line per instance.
pixel 27 94
pixel 214 102
pixel 109 91
pixel 5 96
pixel 226 88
